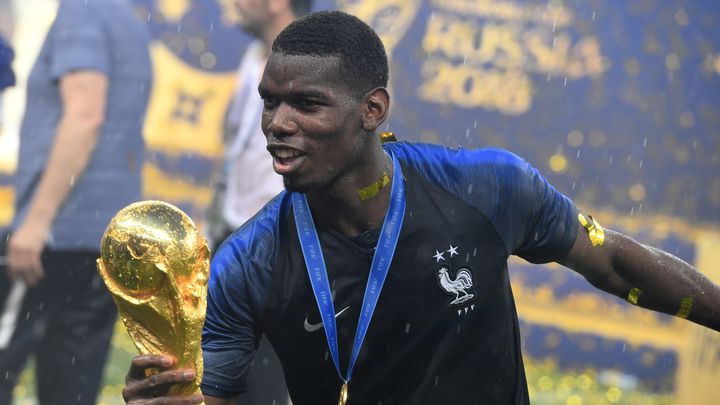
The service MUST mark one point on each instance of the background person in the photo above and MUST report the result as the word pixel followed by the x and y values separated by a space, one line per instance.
pixel 81 149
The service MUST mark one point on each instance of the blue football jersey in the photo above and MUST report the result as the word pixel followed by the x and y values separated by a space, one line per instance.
pixel 445 328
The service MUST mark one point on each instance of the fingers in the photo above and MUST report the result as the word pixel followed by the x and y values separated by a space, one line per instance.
pixel 155 387
pixel 140 364
pixel 174 400
pixel 149 379
pixel 25 263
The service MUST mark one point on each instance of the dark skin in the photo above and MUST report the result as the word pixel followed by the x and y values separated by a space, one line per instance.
pixel 323 141
pixel 316 116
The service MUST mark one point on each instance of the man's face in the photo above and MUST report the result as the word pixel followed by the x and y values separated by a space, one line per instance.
pixel 253 15
pixel 311 120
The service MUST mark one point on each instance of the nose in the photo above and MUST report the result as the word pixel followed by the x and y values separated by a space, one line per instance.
pixel 280 121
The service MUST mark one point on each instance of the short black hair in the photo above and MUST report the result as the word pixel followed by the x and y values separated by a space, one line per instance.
pixel 363 60
pixel 300 7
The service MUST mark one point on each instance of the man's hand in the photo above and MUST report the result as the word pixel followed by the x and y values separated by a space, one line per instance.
pixel 142 390
pixel 24 255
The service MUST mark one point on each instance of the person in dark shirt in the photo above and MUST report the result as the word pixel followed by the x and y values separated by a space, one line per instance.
pixel 381 271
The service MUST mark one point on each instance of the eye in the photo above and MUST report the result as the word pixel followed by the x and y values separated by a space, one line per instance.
pixel 307 104
pixel 269 101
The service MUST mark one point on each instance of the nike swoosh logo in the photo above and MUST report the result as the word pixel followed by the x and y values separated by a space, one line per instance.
pixel 314 327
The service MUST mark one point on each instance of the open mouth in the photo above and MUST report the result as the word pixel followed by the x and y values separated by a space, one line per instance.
pixel 286 160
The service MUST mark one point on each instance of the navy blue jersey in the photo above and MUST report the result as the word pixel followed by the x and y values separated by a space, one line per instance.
pixel 445 328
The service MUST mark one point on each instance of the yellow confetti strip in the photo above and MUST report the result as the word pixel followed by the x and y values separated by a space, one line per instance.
pixel 685 307
pixel 633 295
pixel 387 137
pixel 372 190
pixel 593 228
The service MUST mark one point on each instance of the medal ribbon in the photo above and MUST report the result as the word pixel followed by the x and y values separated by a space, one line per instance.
pixel 317 272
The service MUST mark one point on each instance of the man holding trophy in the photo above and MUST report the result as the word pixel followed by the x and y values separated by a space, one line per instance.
pixel 380 274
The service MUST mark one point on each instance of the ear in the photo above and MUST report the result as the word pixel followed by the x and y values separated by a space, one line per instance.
pixel 375 108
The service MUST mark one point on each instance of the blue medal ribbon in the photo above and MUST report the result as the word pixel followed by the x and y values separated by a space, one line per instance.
pixel 317 271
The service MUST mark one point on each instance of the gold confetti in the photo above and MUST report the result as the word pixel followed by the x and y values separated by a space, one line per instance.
pixel 633 295
pixel 387 137
pixel 593 228
pixel 685 307
pixel 370 191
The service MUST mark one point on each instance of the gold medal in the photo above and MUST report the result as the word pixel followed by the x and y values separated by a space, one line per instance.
pixel 343 395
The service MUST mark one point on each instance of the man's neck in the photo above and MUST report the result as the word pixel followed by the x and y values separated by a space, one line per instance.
pixel 341 207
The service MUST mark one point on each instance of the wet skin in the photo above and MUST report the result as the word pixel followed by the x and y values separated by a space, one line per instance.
pixel 311 120
pixel 321 134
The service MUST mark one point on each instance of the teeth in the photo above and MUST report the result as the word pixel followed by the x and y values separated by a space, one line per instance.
pixel 287 153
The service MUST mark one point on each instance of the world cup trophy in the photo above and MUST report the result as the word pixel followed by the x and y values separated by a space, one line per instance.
pixel 156 265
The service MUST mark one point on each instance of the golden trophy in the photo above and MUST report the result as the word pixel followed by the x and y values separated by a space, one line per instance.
pixel 156 265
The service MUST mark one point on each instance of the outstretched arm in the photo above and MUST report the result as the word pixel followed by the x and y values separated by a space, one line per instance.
pixel 645 276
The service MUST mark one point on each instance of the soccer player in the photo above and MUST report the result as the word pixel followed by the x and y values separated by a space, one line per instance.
pixel 381 272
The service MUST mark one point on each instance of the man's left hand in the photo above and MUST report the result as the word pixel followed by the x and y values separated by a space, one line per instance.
pixel 24 254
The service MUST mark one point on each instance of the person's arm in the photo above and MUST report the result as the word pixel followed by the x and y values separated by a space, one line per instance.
pixel 645 276
pixel 83 95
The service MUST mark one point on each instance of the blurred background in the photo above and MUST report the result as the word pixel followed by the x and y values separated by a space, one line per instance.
pixel 617 103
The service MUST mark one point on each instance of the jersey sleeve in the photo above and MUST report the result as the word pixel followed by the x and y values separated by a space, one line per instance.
pixel 240 276
pixel 540 222
pixel 79 41
pixel 534 221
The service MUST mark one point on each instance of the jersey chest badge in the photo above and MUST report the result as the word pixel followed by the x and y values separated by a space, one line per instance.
pixel 455 282
pixel 458 286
